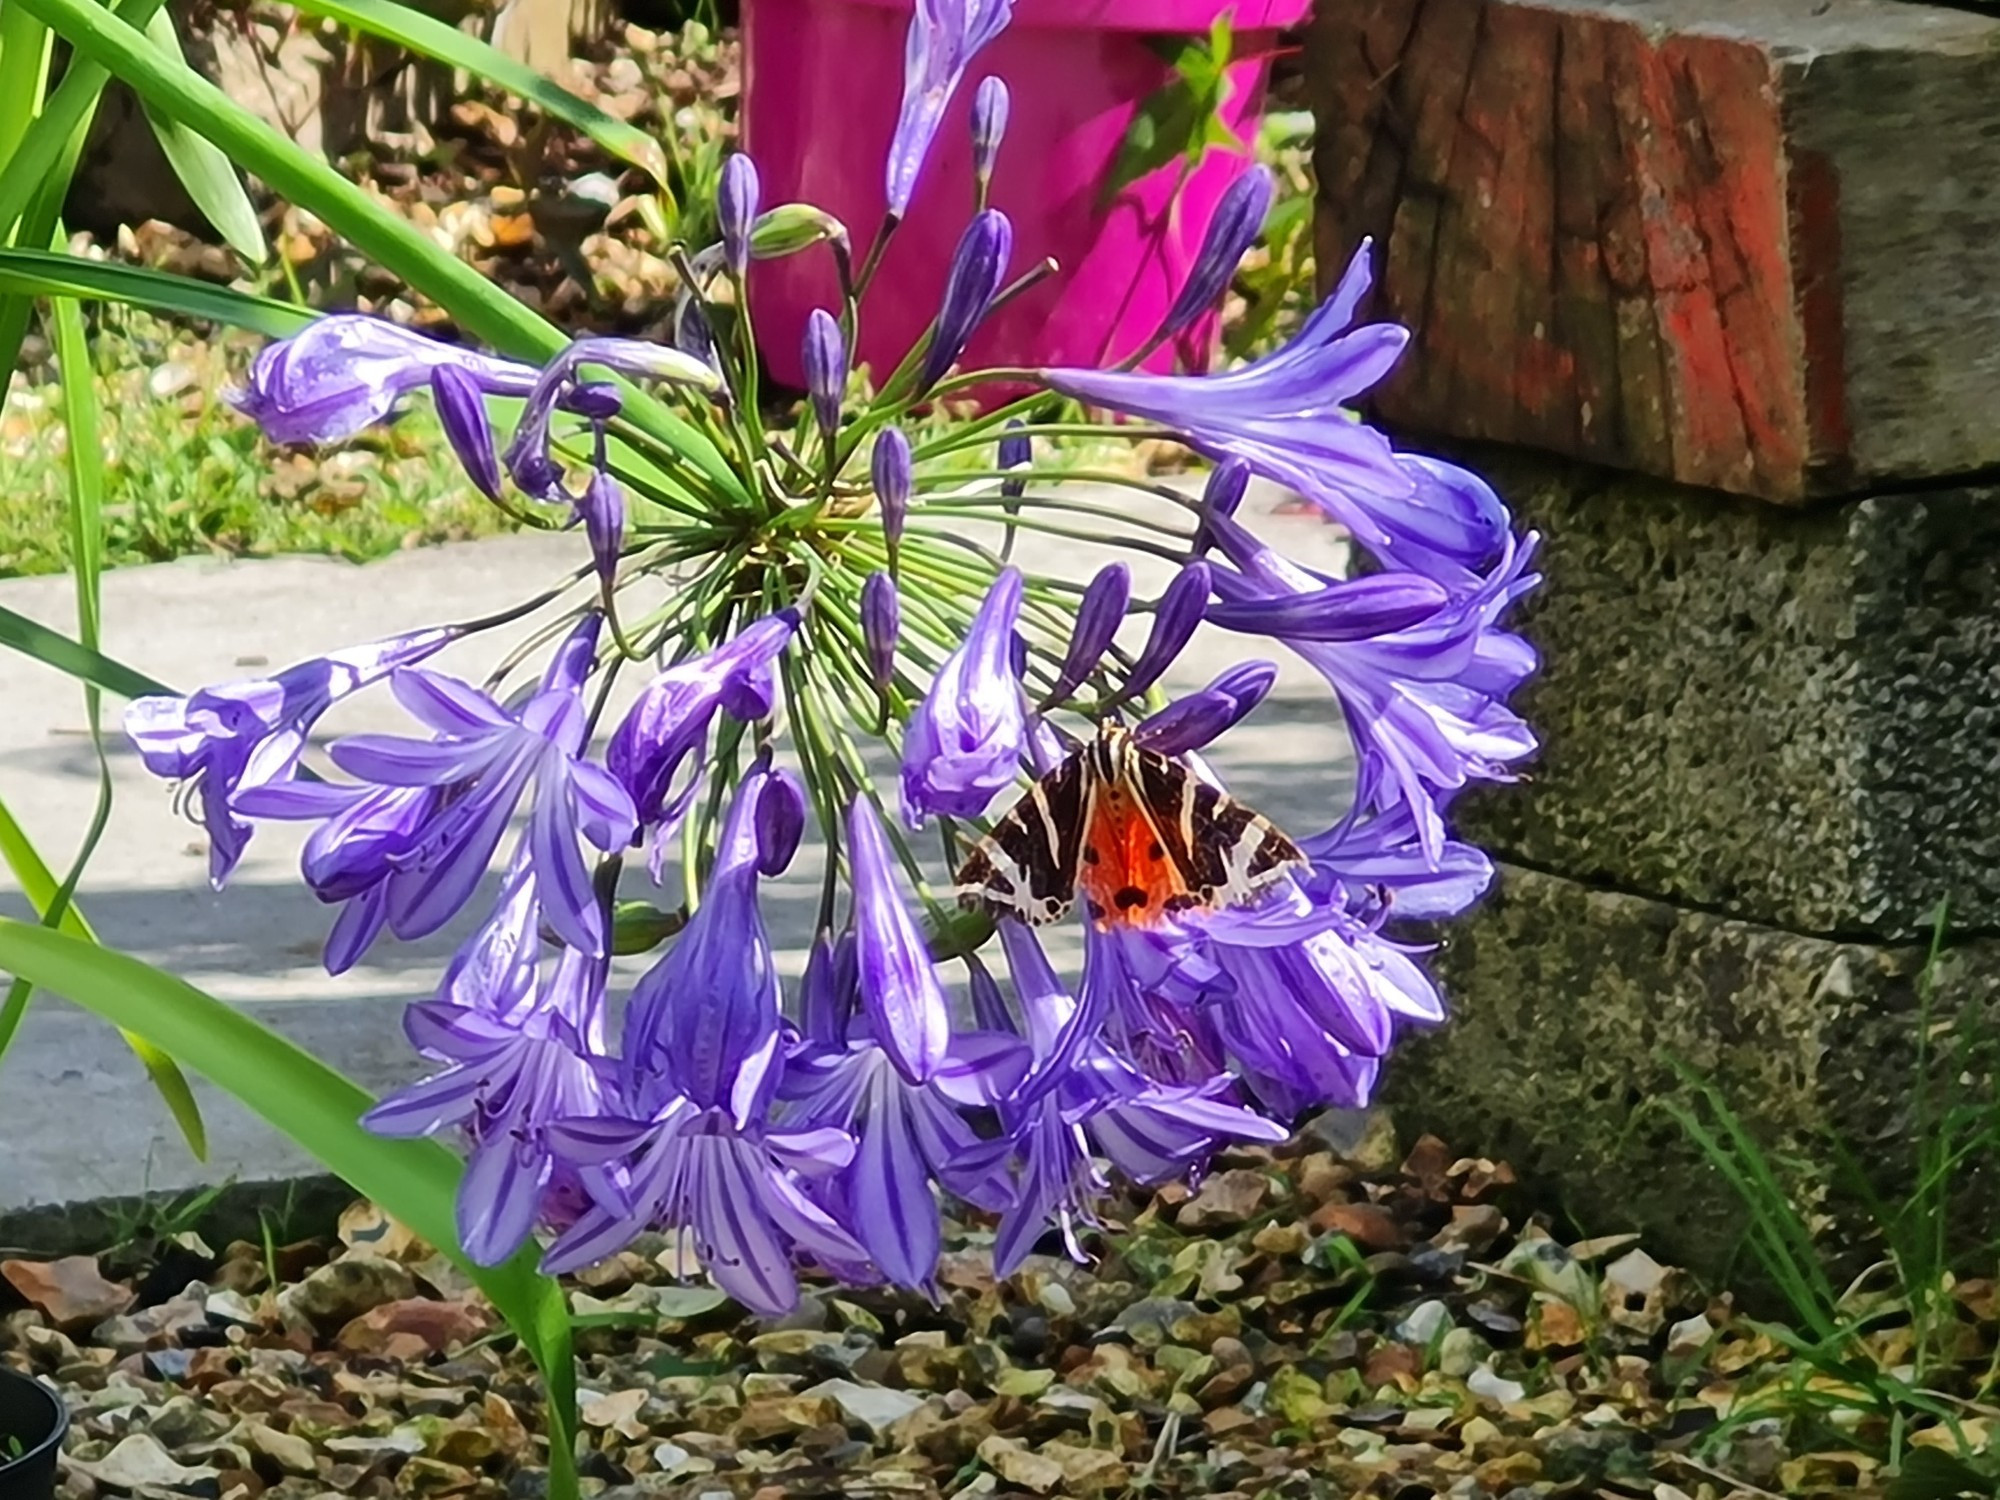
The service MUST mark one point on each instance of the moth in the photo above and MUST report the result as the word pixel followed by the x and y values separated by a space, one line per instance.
pixel 1136 834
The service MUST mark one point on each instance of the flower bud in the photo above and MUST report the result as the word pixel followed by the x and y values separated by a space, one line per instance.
pixel 825 357
pixel 1181 607
pixel 989 1003
pixel 461 412
pixel 1220 497
pixel 1017 451
pixel 603 510
pixel 989 126
pixel 781 821
pixel 792 227
pixel 976 268
pixel 1238 218
pixel 1097 620
pixel 736 209
pixel 881 623
pixel 598 401
pixel 692 335
pixel 892 475
pixel 1200 718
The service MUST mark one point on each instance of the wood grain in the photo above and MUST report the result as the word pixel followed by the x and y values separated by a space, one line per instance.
pixel 1677 235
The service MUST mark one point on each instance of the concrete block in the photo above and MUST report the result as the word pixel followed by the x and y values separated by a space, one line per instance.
pixel 1569 1004
pixel 1791 718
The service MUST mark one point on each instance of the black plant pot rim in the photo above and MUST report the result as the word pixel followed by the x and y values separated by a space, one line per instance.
pixel 49 1442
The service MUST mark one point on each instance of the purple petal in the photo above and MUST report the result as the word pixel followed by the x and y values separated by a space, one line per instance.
pixel 899 983
pixel 498 1199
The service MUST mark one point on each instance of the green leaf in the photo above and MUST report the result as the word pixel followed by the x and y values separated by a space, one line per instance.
pixel 484 310
pixel 54 649
pixel 50 273
pixel 416 1181
pixel 1182 119
pixel 428 37
pixel 32 874
pixel 204 171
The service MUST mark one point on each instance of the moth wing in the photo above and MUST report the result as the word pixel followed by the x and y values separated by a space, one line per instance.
pixel 1226 853
pixel 1027 866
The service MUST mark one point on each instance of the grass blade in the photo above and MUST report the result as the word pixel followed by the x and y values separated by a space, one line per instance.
pixel 32 874
pixel 54 649
pixel 415 1180
pixel 204 171
pixel 429 37
pixel 50 273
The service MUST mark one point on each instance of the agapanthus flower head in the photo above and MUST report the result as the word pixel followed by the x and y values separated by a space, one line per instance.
pixel 969 289
pixel 943 36
pixel 1239 218
pixel 347 371
pixel 965 740
pixel 224 740
pixel 800 614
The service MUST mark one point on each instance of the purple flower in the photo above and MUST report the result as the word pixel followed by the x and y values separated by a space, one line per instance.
pixel 704 1021
pixel 1339 610
pixel 964 742
pixel 1285 416
pixel 481 761
pixel 898 984
pixel 602 507
pixel 461 412
pixel 1201 718
pixel 906 1135
pixel 989 126
pixel 825 358
pixel 889 466
pixel 1098 617
pixel 528 457
pixel 976 268
pixel 1234 229
pixel 943 36
pixel 732 1189
pixel 1182 604
pixel 668 724
pixel 1017 451
pixel 223 740
pixel 881 623
pixel 1426 704
pixel 736 198
pixel 1095 1102
pixel 347 372
pixel 520 1053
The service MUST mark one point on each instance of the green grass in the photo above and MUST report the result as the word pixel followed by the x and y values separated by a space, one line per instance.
pixel 186 475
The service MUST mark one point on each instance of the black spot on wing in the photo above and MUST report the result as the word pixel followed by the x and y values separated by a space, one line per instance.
pixel 1027 865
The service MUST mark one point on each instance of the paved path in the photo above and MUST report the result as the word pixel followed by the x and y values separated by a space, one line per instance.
pixel 77 1119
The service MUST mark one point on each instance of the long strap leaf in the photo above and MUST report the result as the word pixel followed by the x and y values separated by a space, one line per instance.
pixel 429 37
pixel 415 1180
pixel 53 648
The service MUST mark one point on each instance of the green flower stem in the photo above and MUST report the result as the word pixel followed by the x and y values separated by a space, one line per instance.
pixel 1016 506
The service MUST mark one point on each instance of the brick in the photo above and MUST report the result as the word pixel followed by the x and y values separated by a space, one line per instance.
pixel 1787 717
pixel 1748 244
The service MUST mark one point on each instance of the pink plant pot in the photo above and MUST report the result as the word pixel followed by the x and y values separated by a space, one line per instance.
pixel 822 82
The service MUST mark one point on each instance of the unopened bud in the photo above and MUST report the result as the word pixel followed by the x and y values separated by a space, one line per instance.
pixel 881 624
pixel 976 268
pixel 1182 605
pixel 825 358
pixel 792 227
pixel 891 469
pixel 1234 229
pixel 1097 620
pixel 736 209
pixel 989 126
pixel 461 411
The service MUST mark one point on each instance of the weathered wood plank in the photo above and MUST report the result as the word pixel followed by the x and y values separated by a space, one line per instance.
pixel 1750 244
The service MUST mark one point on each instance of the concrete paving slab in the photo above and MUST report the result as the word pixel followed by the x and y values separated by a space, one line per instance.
pixel 81 1121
